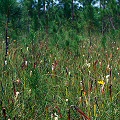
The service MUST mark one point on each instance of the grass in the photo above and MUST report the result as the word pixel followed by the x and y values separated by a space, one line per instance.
pixel 61 78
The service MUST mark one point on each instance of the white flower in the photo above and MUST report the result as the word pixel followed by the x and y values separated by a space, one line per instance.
pixel 80 99
pixel 108 66
pixel 69 73
pixel 18 81
pixel 27 48
pixel 30 73
pixel 87 64
pixel 5 62
pixel 117 48
pixel 30 90
pixel 56 116
pixel 52 115
pixel 66 100
pixel 81 83
pixel 17 93
pixel 16 96
pixel 53 67
pixel 107 78
pixel 26 63
pixel 100 63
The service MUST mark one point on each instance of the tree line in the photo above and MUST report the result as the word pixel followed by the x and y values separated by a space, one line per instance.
pixel 22 16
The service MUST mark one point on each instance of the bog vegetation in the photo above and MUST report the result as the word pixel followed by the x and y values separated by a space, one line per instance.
pixel 60 60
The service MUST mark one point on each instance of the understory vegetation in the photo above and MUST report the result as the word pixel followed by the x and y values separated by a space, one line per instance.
pixel 59 60
pixel 41 79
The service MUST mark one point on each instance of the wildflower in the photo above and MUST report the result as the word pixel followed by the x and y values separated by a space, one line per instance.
pixel 108 68
pixel 5 62
pixel 118 48
pixel 101 82
pixel 107 78
pixel 69 73
pixel 56 116
pixel 16 95
pixel 30 73
pixel 18 81
pixel 81 83
pixel 99 55
pixel 53 67
pixel 100 63
pixel 52 115
pixel 80 99
pixel 66 100
pixel 27 48
pixel 83 55
pixel 87 64
pixel 26 63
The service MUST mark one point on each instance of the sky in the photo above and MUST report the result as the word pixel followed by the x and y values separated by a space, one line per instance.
pixel 76 2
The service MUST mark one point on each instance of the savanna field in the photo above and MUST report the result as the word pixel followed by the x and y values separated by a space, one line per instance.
pixel 60 80
pixel 59 59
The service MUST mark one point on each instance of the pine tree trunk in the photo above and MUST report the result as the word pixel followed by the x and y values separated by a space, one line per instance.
pixel 6 36
pixel 72 10
pixel 103 19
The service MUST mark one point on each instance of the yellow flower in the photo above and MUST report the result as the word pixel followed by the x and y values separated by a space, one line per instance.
pixel 101 82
